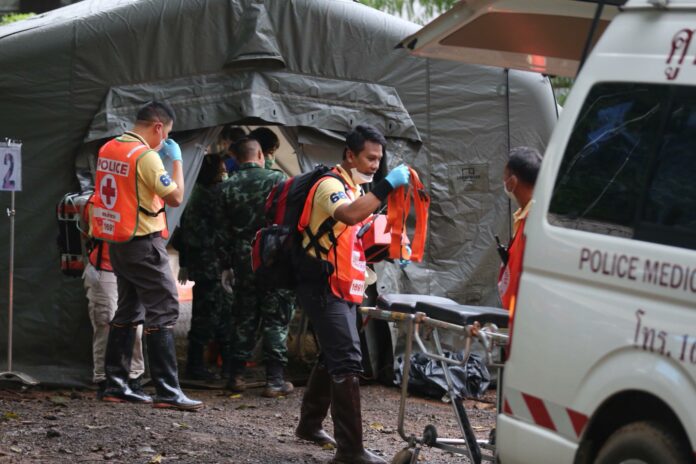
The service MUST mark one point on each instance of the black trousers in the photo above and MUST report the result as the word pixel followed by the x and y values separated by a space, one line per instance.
pixel 147 292
pixel 334 322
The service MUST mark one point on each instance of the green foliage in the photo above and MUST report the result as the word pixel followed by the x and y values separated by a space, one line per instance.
pixel 561 88
pixel 13 17
pixel 410 8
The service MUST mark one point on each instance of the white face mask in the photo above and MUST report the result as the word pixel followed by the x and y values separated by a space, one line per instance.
pixel 359 177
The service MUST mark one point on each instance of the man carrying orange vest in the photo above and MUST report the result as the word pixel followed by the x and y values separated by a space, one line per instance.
pixel 332 286
pixel 131 189
pixel 519 177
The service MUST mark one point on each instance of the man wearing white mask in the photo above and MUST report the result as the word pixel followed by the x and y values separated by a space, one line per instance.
pixel 131 189
pixel 519 177
pixel 333 213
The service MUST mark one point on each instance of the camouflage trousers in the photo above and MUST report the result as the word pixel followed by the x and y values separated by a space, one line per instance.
pixel 210 312
pixel 267 311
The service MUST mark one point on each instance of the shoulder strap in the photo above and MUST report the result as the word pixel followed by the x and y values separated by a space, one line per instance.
pixel 303 223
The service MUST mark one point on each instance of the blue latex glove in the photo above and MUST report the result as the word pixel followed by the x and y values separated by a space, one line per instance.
pixel 398 176
pixel 170 149
pixel 405 262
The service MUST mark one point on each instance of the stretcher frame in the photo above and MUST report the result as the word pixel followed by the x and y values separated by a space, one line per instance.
pixel 491 340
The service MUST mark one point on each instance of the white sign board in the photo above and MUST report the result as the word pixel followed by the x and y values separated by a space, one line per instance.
pixel 10 166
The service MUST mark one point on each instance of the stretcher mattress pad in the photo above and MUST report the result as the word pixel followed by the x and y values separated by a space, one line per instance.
pixel 406 303
pixel 463 314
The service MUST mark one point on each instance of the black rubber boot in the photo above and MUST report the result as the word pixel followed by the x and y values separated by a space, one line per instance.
pixel 347 419
pixel 162 354
pixel 117 361
pixel 315 406
pixel 195 364
pixel 276 385
pixel 136 385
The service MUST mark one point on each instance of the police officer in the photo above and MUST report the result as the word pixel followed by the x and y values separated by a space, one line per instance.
pixel 132 187
pixel 241 214
pixel 331 299
pixel 198 261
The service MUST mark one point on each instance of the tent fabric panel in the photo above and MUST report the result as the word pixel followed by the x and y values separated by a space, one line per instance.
pixel 275 97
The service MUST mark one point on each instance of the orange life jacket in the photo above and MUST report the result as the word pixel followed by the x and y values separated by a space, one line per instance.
pixel 346 254
pixel 399 206
pixel 116 204
pixel 509 277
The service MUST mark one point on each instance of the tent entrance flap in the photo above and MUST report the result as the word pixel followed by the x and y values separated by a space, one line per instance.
pixel 531 35
pixel 274 97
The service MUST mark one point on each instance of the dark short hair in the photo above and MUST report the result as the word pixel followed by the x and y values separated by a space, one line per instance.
pixel 355 140
pixel 266 138
pixel 524 163
pixel 232 133
pixel 210 169
pixel 244 148
pixel 154 111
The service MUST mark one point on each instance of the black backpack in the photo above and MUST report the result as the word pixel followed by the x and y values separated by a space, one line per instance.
pixel 277 255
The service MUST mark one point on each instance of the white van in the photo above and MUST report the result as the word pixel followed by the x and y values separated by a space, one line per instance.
pixel 602 362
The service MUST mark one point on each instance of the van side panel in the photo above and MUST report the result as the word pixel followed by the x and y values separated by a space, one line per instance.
pixel 597 314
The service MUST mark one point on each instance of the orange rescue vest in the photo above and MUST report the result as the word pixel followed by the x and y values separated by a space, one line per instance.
pixel 97 250
pixel 509 277
pixel 346 254
pixel 398 208
pixel 116 207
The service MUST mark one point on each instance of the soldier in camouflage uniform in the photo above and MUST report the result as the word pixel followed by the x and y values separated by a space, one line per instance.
pixel 240 215
pixel 198 260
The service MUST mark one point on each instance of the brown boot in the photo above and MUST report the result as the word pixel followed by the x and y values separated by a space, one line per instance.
pixel 347 419
pixel 236 383
pixel 315 406
pixel 276 385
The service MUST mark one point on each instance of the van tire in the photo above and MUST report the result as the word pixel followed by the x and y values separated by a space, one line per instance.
pixel 647 442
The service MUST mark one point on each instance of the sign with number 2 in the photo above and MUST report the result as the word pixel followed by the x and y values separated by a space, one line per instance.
pixel 11 167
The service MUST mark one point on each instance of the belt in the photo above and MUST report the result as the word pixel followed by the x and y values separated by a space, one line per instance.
pixel 148 236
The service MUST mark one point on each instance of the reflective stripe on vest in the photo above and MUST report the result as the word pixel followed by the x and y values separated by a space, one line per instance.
pixel 115 212
pixel 509 277
pixel 398 208
pixel 346 254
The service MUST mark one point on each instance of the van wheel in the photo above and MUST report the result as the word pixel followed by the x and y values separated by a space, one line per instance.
pixel 642 443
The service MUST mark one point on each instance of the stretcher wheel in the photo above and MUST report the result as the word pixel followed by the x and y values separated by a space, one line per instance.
pixel 405 456
pixel 430 435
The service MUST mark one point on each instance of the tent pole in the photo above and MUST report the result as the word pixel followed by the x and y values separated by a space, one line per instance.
pixel 10 375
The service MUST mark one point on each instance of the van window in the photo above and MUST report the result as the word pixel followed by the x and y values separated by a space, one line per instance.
pixel 604 166
pixel 630 165
pixel 669 213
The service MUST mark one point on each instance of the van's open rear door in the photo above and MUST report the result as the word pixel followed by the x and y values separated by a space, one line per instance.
pixel 546 36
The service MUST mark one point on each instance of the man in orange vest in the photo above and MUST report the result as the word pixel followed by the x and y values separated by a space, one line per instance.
pixel 519 177
pixel 332 284
pixel 131 189
pixel 102 298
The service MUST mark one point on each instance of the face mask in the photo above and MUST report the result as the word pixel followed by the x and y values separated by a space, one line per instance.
pixel 268 163
pixel 224 177
pixel 508 192
pixel 359 177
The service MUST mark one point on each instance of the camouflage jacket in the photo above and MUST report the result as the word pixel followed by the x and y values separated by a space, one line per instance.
pixel 195 238
pixel 240 212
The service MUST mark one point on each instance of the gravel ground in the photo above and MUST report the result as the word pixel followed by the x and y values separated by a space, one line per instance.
pixel 47 426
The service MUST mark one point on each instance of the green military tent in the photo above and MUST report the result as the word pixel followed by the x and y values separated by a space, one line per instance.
pixel 73 77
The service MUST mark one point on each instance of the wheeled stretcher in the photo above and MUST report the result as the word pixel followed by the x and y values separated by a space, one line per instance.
pixel 417 313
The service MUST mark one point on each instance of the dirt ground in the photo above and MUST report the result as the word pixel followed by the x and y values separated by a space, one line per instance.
pixel 56 426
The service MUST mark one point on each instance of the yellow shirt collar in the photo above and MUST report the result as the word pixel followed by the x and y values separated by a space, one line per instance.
pixel 347 177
